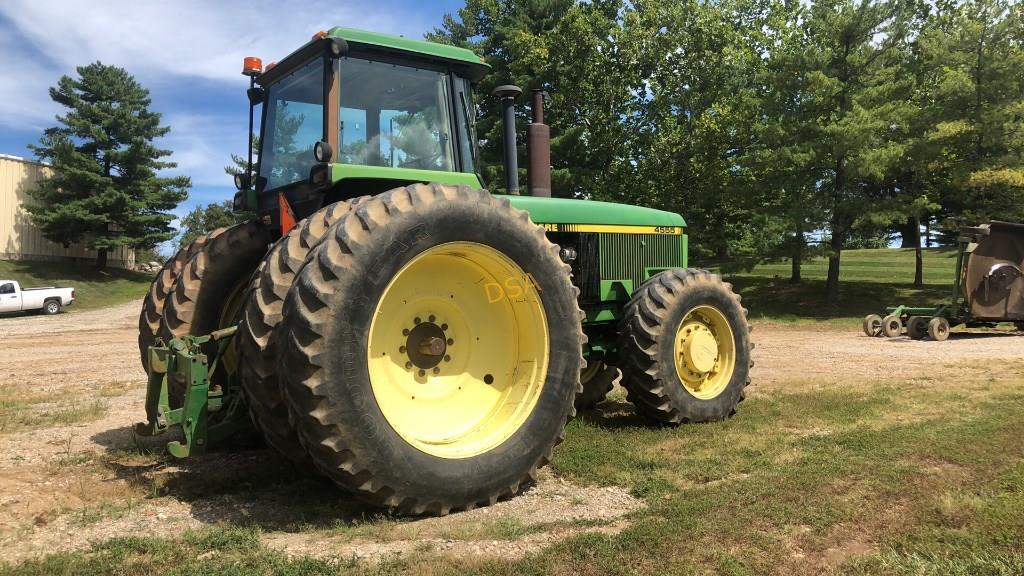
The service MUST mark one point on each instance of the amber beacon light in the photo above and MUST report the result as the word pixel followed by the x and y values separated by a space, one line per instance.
pixel 252 66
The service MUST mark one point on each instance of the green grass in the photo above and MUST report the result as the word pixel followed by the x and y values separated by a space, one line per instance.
pixel 920 478
pixel 870 280
pixel 93 289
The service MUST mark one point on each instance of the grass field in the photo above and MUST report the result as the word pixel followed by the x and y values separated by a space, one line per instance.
pixel 93 289
pixel 869 281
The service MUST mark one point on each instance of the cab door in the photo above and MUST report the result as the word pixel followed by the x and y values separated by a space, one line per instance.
pixel 10 300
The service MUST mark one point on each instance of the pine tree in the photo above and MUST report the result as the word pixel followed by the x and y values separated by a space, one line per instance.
pixel 105 190
pixel 853 67
pixel 201 220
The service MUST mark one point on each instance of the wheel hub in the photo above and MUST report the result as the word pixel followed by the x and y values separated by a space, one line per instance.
pixel 700 349
pixel 705 352
pixel 426 345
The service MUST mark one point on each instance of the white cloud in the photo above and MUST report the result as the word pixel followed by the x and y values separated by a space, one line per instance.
pixel 187 37
pixel 194 44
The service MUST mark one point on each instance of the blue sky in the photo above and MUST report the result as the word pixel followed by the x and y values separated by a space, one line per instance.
pixel 188 53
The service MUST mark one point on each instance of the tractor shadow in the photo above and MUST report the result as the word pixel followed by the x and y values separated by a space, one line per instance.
pixel 244 483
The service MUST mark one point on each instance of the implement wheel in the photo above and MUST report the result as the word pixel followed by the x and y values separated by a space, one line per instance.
pixel 872 325
pixel 917 327
pixel 685 348
pixel 938 329
pixel 892 326
pixel 433 349
pixel 163 284
pixel 597 380
pixel 210 290
pixel 258 338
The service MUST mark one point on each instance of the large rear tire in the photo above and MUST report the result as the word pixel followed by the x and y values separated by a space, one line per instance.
pixel 210 289
pixel 163 284
pixel 685 348
pixel 257 334
pixel 433 348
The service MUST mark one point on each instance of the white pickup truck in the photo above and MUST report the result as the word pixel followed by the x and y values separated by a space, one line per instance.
pixel 13 298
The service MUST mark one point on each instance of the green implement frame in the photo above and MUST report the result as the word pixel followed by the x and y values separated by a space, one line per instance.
pixel 954 311
pixel 209 413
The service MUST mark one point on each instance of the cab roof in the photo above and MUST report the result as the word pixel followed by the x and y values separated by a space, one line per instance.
pixel 403 44
pixel 466 62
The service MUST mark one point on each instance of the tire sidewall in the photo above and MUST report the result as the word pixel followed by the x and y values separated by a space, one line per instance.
pixel 721 406
pixel 51 308
pixel 395 242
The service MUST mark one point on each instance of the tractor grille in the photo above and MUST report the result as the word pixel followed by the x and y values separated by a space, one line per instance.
pixel 625 256
pixel 608 256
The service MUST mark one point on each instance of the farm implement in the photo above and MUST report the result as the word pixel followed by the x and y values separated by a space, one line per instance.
pixel 988 288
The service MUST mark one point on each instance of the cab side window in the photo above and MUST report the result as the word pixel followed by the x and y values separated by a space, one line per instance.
pixel 7 288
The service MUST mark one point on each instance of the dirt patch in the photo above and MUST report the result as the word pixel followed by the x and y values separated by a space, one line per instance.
pixel 821 356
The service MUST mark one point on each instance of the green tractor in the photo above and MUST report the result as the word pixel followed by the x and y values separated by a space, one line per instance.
pixel 387 322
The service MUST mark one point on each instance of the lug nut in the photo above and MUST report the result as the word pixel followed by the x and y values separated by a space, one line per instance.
pixel 401 349
pixel 447 358
pixel 437 370
pixel 444 326
pixel 450 341
pixel 431 318
pixel 416 320
pixel 405 332
pixel 423 372
pixel 408 365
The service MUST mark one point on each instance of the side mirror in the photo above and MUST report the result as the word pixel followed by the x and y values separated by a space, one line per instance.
pixel 255 95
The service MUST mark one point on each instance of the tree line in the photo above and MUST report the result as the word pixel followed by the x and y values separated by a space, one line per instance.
pixel 778 129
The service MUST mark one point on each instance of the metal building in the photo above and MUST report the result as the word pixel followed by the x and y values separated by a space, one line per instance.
pixel 19 239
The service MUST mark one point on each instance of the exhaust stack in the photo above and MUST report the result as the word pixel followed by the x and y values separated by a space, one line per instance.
pixel 508 95
pixel 538 142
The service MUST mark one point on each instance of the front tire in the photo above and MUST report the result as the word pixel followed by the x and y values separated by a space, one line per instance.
pixel 433 350
pixel 685 348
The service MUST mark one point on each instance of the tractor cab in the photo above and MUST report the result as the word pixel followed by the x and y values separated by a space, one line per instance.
pixel 355 113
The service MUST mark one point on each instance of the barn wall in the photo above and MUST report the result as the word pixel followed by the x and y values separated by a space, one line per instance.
pixel 19 239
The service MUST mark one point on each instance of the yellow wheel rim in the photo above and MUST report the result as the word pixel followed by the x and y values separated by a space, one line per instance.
pixel 705 352
pixel 228 316
pixel 458 350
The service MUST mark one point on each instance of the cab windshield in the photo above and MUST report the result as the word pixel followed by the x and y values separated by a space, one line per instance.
pixel 395 116
pixel 294 123
pixel 390 116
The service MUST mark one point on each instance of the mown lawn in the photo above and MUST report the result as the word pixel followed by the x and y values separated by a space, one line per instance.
pixel 920 477
pixel 93 289
pixel 870 280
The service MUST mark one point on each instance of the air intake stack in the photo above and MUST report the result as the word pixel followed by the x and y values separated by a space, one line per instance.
pixel 538 142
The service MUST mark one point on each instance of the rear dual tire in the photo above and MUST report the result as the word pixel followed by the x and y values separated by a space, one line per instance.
pixel 258 338
pixel 359 369
pixel 206 293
